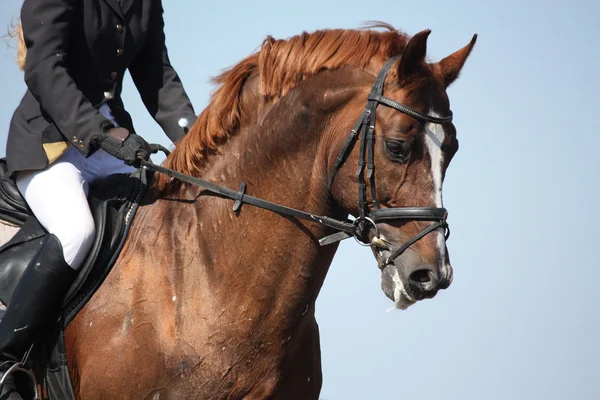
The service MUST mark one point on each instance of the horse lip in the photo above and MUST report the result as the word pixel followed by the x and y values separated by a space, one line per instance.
pixel 405 300
pixel 403 290
pixel 382 257
pixel 408 296
pixel 444 283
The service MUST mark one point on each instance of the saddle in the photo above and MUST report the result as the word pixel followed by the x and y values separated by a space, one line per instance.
pixel 114 202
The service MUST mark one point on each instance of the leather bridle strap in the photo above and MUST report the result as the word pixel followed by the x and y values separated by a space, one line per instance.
pixel 362 187
pixel 242 198
pixel 369 133
pixel 409 111
pixel 410 213
pixel 390 259
pixel 346 148
pixel 434 214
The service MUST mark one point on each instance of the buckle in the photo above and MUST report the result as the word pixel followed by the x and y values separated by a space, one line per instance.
pixel 239 199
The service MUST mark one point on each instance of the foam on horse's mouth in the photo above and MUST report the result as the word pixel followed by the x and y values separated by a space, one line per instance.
pixel 402 299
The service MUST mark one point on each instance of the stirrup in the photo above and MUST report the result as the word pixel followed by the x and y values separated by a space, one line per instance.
pixel 19 367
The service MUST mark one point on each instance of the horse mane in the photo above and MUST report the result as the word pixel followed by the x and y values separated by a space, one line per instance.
pixel 281 65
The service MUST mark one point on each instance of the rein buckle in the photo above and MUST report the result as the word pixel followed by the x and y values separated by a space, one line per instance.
pixel 239 200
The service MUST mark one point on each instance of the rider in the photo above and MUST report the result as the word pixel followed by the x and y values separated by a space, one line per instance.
pixel 71 128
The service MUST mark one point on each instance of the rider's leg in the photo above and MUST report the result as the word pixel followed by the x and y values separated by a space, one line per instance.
pixel 35 302
pixel 57 196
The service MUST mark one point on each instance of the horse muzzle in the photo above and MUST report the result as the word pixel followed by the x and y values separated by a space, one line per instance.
pixel 406 280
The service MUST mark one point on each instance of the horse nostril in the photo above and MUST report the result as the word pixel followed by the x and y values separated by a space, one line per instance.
pixel 423 282
pixel 421 276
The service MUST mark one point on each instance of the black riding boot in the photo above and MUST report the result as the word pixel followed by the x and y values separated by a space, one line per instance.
pixel 35 302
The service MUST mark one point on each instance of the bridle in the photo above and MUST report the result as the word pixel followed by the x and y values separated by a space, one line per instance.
pixel 359 228
pixel 365 129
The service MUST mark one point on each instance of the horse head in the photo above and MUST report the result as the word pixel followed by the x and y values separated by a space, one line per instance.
pixel 413 144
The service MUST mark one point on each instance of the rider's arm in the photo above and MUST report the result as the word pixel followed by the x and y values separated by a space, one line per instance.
pixel 159 85
pixel 46 29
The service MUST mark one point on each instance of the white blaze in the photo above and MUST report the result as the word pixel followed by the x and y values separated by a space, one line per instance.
pixel 434 138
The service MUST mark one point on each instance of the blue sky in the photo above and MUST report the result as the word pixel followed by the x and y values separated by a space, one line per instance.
pixel 521 319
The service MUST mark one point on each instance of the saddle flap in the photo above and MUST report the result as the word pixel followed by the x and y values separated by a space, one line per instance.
pixel 110 200
pixel 12 206
pixel 16 254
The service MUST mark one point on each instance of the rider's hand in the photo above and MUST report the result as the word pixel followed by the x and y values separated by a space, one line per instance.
pixel 119 133
pixel 119 143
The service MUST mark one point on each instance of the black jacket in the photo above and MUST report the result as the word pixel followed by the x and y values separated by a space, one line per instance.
pixel 77 54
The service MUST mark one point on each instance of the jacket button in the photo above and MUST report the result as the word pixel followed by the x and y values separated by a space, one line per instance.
pixel 119 52
pixel 80 144
pixel 183 122
pixel 75 140
pixel 108 95
pixel 113 76
pixel 119 28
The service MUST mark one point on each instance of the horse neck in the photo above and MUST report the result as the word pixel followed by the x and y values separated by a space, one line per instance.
pixel 261 263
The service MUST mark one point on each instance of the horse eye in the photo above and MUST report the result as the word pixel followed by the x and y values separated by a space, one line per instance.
pixel 398 149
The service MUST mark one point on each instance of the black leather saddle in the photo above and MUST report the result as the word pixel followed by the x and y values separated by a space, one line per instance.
pixel 113 202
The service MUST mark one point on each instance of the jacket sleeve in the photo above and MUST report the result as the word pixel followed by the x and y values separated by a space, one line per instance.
pixel 159 85
pixel 46 29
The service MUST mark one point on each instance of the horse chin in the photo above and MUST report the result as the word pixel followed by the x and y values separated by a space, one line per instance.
pixel 394 289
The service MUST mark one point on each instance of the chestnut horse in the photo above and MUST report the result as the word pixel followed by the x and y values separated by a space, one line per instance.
pixel 207 304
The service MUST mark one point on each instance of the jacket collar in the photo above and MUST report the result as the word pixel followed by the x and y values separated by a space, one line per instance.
pixel 116 7
pixel 126 5
pixel 120 7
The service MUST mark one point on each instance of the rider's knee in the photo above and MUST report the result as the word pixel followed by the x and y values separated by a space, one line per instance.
pixel 76 239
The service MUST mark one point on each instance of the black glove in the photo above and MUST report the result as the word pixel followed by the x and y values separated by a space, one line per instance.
pixel 119 143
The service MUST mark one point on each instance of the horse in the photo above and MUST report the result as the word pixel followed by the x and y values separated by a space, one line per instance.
pixel 206 303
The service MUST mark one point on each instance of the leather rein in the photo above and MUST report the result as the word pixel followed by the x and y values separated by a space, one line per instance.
pixel 360 227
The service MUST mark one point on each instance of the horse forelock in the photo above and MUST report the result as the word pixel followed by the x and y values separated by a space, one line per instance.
pixel 280 65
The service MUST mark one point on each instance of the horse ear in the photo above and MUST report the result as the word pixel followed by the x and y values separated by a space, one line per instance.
pixel 413 55
pixel 447 70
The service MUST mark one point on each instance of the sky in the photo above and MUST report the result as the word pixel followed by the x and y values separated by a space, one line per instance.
pixel 521 319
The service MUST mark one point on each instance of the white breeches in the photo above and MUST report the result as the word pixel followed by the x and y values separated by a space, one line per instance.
pixel 57 195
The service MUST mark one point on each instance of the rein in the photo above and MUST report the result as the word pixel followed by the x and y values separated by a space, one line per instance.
pixel 365 130
pixel 241 197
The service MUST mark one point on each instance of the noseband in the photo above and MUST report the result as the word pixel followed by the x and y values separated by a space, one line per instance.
pixel 360 227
